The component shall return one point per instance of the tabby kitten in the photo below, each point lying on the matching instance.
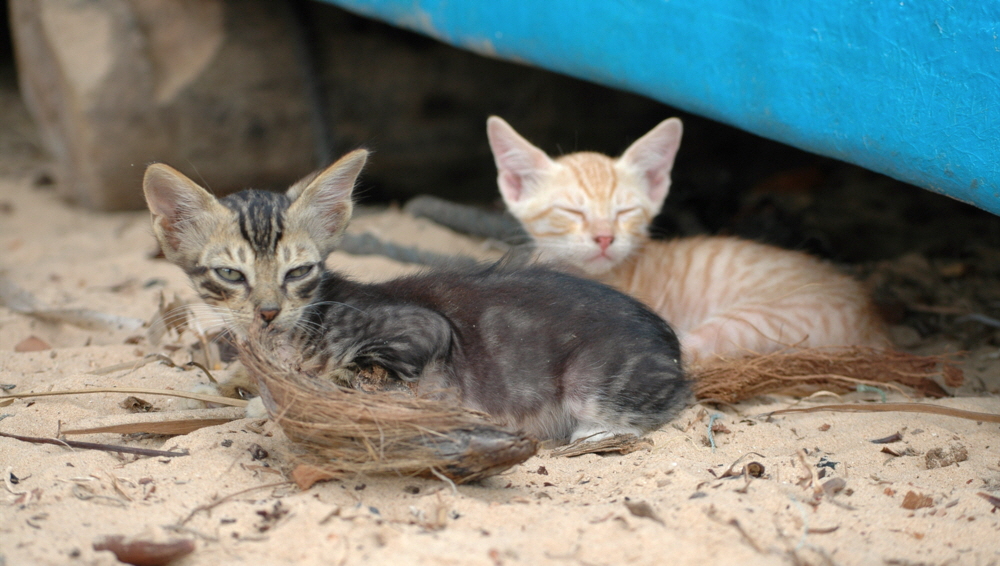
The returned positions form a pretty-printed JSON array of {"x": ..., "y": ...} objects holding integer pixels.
[
  {"x": 552, "y": 354},
  {"x": 724, "y": 296}
]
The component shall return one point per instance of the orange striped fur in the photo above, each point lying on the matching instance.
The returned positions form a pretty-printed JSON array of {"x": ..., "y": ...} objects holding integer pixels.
[{"x": 723, "y": 296}]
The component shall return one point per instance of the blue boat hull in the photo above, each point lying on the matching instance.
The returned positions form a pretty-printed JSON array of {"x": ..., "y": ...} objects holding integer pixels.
[{"x": 906, "y": 88}]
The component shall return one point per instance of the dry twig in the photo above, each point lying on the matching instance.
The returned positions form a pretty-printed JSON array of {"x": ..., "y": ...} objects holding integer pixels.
[{"x": 95, "y": 446}]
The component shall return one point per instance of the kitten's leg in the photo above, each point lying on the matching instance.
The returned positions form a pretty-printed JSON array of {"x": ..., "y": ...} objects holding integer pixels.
[
  {"x": 239, "y": 385},
  {"x": 438, "y": 384},
  {"x": 404, "y": 340},
  {"x": 644, "y": 393}
]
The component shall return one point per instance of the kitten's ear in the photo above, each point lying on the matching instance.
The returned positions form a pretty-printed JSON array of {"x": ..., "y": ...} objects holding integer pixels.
[
  {"x": 176, "y": 203},
  {"x": 323, "y": 201},
  {"x": 653, "y": 155},
  {"x": 519, "y": 164}
]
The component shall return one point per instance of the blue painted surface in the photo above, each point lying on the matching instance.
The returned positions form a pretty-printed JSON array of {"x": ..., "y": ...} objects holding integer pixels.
[{"x": 908, "y": 88}]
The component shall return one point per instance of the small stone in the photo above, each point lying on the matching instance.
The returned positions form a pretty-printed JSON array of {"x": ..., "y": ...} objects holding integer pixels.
[{"x": 943, "y": 457}]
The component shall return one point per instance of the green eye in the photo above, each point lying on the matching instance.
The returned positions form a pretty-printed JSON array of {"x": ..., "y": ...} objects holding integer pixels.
[
  {"x": 230, "y": 275},
  {"x": 298, "y": 272}
]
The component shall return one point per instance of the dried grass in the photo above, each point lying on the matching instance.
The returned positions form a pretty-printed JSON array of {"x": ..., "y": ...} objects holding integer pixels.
[
  {"x": 379, "y": 426},
  {"x": 802, "y": 371},
  {"x": 345, "y": 431}
]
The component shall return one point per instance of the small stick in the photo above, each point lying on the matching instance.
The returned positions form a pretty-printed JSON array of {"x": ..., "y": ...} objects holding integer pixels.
[
  {"x": 217, "y": 502},
  {"x": 209, "y": 374},
  {"x": 167, "y": 392},
  {"x": 901, "y": 407},
  {"x": 148, "y": 358},
  {"x": 94, "y": 446}
]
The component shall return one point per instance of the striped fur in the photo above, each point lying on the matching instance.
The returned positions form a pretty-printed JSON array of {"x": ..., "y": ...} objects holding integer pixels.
[
  {"x": 555, "y": 355},
  {"x": 256, "y": 256},
  {"x": 723, "y": 296}
]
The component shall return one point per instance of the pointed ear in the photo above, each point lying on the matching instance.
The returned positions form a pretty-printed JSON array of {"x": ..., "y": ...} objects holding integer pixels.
[
  {"x": 323, "y": 201},
  {"x": 519, "y": 164},
  {"x": 652, "y": 157},
  {"x": 176, "y": 203}
]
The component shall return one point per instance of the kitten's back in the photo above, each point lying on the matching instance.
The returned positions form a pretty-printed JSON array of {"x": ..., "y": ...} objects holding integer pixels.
[
  {"x": 538, "y": 349},
  {"x": 731, "y": 296}
]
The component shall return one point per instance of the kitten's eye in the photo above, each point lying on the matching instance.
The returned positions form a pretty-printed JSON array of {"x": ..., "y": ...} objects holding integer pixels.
[
  {"x": 571, "y": 211},
  {"x": 626, "y": 211},
  {"x": 298, "y": 272},
  {"x": 230, "y": 275}
]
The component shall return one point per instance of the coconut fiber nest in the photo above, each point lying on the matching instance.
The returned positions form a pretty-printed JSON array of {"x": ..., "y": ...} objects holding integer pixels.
[
  {"x": 362, "y": 420},
  {"x": 803, "y": 371},
  {"x": 377, "y": 424}
]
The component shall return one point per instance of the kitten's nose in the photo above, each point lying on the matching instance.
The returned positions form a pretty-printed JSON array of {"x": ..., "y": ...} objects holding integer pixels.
[
  {"x": 604, "y": 241},
  {"x": 268, "y": 313}
]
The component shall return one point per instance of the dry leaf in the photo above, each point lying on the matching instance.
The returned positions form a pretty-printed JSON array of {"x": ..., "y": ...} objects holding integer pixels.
[
  {"x": 143, "y": 552},
  {"x": 618, "y": 444},
  {"x": 913, "y": 500},
  {"x": 994, "y": 500},
  {"x": 134, "y": 404},
  {"x": 305, "y": 476},
  {"x": 888, "y": 439},
  {"x": 642, "y": 509},
  {"x": 32, "y": 344}
]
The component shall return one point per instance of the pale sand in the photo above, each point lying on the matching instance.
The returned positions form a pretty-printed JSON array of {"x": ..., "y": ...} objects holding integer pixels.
[{"x": 547, "y": 511}]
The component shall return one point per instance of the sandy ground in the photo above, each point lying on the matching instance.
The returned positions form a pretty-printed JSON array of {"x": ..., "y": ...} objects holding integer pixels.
[{"x": 664, "y": 505}]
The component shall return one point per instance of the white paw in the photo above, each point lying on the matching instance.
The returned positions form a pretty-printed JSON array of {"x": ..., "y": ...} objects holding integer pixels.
[
  {"x": 255, "y": 409},
  {"x": 202, "y": 388}
]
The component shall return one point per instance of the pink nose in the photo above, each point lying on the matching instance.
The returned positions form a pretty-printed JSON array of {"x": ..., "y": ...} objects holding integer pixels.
[
  {"x": 604, "y": 241},
  {"x": 268, "y": 314}
]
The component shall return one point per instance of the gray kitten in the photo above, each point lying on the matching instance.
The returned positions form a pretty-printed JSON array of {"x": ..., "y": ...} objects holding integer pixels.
[{"x": 543, "y": 351}]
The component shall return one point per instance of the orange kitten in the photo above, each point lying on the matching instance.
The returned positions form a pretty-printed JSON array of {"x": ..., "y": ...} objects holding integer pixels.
[{"x": 723, "y": 296}]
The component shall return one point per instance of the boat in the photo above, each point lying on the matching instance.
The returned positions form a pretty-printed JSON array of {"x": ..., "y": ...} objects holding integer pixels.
[{"x": 905, "y": 88}]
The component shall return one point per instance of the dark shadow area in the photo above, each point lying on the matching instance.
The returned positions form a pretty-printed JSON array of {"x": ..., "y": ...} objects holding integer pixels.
[{"x": 421, "y": 107}]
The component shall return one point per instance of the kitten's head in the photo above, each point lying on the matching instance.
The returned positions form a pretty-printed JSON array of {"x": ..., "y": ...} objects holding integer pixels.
[
  {"x": 585, "y": 209},
  {"x": 256, "y": 255}
]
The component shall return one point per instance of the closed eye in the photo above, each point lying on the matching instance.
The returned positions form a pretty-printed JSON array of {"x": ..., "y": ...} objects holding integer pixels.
[
  {"x": 298, "y": 273},
  {"x": 625, "y": 211},
  {"x": 229, "y": 274},
  {"x": 572, "y": 211}
]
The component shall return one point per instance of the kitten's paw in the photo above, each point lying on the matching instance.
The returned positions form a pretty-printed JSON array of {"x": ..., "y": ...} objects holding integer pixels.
[
  {"x": 182, "y": 404},
  {"x": 255, "y": 409},
  {"x": 239, "y": 385}
]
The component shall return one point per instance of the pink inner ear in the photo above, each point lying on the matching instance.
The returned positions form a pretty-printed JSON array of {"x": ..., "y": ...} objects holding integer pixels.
[
  {"x": 655, "y": 178},
  {"x": 512, "y": 185}
]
